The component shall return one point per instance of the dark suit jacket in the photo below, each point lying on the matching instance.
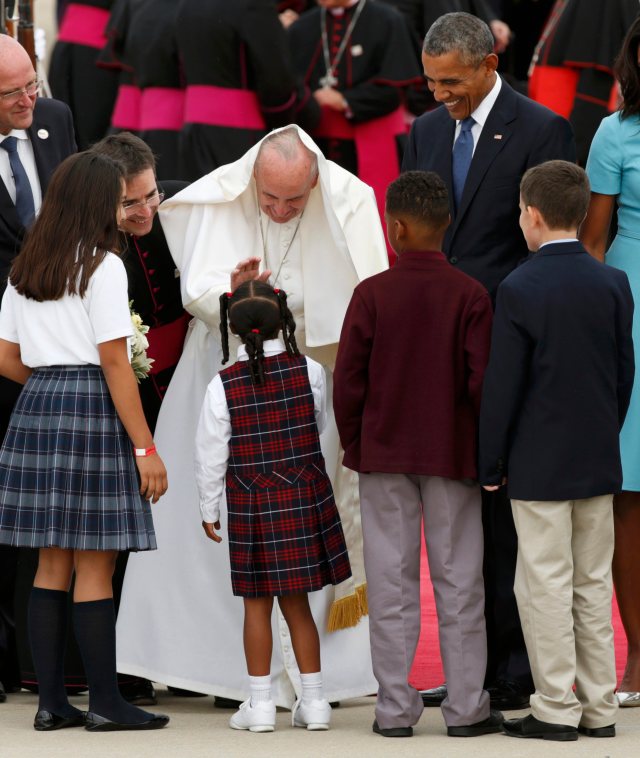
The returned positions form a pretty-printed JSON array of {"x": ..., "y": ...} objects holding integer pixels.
[
  {"x": 484, "y": 239},
  {"x": 559, "y": 379},
  {"x": 408, "y": 375},
  {"x": 52, "y": 137}
]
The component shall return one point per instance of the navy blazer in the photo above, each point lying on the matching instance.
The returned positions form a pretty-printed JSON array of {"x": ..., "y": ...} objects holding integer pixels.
[
  {"x": 52, "y": 137},
  {"x": 484, "y": 238},
  {"x": 559, "y": 379}
]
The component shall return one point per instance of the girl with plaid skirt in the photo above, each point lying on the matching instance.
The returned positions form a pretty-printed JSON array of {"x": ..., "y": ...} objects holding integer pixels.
[
  {"x": 259, "y": 431},
  {"x": 77, "y": 466}
]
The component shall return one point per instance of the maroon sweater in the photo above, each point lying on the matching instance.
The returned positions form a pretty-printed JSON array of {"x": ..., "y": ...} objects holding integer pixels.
[{"x": 408, "y": 377}]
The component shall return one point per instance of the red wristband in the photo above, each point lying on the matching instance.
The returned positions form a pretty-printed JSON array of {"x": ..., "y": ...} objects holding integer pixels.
[{"x": 143, "y": 452}]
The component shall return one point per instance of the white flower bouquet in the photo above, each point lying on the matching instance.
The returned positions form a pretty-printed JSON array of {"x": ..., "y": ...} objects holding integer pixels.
[{"x": 140, "y": 364}]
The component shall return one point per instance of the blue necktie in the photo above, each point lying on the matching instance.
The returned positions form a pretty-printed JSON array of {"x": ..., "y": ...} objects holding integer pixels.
[
  {"x": 461, "y": 158},
  {"x": 24, "y": 196}
]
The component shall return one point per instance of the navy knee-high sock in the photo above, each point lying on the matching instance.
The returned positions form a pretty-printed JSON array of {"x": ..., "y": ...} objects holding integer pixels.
[
  {"x": 47, "y": 622},
  {"x": 95, "y": 627}
]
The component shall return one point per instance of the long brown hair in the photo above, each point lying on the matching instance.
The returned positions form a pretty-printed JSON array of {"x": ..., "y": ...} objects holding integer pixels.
[
  {"x": 76, "y": 227},
  {"x": 627, "y": 71}
]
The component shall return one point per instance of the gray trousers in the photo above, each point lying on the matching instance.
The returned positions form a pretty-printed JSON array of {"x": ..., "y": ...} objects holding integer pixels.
[{"x": 392, "y": 507}]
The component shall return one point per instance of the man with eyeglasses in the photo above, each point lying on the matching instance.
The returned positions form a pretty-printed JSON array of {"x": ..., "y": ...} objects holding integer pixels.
[{"x": 36, "y": 135}]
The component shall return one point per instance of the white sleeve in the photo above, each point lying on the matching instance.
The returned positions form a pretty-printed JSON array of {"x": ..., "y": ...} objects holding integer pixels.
[
  {"x": 108, "y": 301},
  {"x": 8, "y": 328},
  {"x": 212, "y": 450},
  {"x": 318, "y": 383}
]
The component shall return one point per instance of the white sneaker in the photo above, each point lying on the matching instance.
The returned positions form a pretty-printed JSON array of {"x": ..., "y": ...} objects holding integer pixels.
[
  {"x": 260, "y": 717},
  {"x": 314, "y": 715}
]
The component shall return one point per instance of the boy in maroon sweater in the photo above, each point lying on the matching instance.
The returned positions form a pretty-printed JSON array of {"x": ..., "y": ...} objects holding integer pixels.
[{"x": 407, "y": 384}]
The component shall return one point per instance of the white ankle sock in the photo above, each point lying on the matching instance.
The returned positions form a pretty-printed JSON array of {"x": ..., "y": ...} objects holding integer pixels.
[
  {"x": 260, "y": 688},
  {"x": 312, "y": 686}
]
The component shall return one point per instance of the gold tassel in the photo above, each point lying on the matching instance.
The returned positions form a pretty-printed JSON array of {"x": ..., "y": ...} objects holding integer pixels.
[
  {"x": 347, "y": 611},
  {"x": 361, "y": 593}
]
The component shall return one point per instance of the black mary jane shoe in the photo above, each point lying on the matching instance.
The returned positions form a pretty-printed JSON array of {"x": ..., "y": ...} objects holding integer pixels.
[
  {"x": 96, "y": 723},
  {"x": 395, "y": 731},
  {"x": 530, "y": 727},
  {"x": 45, "y": 721}
]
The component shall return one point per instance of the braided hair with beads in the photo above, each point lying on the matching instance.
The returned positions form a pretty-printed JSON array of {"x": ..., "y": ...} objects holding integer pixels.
[{"x": 256, "y": 312}]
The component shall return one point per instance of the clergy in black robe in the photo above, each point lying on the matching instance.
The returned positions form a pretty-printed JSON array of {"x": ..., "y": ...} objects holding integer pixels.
[
  {"x": 572, "y": 68},
  {"x": 239, "y": 79},
  {"x": 142, "y": 42},
  {"x": 357, "y": 60},
  {"x": 75, "y": 78}
]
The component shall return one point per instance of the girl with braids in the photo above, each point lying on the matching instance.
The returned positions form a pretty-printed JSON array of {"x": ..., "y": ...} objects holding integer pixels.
[{"x": 259, "y": 428}]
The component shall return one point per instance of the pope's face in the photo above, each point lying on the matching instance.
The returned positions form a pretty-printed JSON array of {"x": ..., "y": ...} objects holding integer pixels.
[
  {"x": 460, "y": 87},
  {"x": 283, "y": 186}
]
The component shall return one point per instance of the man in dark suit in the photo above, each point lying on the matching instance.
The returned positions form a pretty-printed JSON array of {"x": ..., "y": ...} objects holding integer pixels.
[
  {"x": 481, "y": 141},
  {"x": 36, "y": 135},
  {"x": 555, "y": 396}
]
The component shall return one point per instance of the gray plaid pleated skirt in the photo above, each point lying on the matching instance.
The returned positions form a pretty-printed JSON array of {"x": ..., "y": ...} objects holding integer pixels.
[{"x": 68, "y": 477}]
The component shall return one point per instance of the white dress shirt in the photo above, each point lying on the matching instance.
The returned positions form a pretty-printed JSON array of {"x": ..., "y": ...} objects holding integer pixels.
[
  {"x": 214, "y": 431},
  {"x": 28, "y": 160},
  {"x": 481, "y": 113}
]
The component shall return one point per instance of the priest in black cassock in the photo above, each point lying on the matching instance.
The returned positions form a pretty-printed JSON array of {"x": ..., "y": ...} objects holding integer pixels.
[
  {"x": 572, "y": 67},
  {"x": 357, "y": 58},
  {"x": 239, "y": 79}
]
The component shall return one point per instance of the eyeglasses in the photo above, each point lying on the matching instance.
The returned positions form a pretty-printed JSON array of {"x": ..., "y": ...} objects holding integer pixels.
[
  {"x": 133, "y": 206},
  {"x": 32, "y": 89}
]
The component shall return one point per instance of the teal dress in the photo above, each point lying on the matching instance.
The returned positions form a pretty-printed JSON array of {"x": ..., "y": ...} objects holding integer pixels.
[{"x": 613, "y": 167}]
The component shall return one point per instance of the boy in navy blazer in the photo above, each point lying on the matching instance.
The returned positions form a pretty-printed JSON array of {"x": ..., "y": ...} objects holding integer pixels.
[{"x": 555, "y": 395}]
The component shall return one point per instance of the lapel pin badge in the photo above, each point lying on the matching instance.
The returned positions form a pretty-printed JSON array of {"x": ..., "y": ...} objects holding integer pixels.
[
  {"x": 497, "y": 136},
  {"x": 43, "y": 134},
  {"x": 356, "y": 50}
]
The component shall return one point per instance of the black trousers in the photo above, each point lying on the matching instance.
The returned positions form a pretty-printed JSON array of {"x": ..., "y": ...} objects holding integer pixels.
[{"x": 507, "y": 653}]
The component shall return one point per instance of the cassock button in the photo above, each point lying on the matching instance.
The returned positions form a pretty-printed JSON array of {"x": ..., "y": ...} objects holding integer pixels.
[{"x": 453, "y": 260}]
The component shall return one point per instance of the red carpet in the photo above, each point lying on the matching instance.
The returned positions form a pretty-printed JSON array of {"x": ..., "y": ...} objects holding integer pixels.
[{"x": 427, "y": 668}]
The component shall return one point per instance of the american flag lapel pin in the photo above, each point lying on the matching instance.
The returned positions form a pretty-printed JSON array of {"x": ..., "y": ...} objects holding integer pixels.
[{"x": 497, "y": 136}]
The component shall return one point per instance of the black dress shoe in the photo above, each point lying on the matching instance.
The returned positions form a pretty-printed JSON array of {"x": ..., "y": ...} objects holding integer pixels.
[
  {"x": 3, "y": 694},
  {"x": 45, "y": 721},
  {"x": 96, "y": 723},
  {"x": 490, "y": 725},
  {"x": 530, "y": 727},
  {"x": 433, "y": 698},
  {"x": 598, "y": 731},
  {"x": 179, "y": 692},
  {"x": 395, "y": 731},
  {"x": 138, "y": 692},
  {"x": 509, "y": 696},
  {"x": 226, "y": 702}
]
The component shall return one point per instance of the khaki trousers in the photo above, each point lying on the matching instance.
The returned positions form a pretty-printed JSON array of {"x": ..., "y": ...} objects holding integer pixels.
[{"x": 563, "y": 587}]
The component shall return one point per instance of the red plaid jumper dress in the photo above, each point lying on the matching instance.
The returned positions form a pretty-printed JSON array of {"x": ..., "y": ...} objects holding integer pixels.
[{"x": 285, "y": 534}]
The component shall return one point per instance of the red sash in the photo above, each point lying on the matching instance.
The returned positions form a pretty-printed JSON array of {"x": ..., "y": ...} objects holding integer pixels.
[
  {"x": 220, "y": 106},
  {"x": 126, "y": 111},
  {"x": 376, "y": 149},
  {"x": 161, "y": 108},
  {"x": 165, "y": 343},
  {"x": 556, "y": 86},
  {"x": 84, "y": 25}
]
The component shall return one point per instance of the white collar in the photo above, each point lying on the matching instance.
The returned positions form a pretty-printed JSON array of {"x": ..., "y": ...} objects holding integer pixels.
[
  {"x": 271, "y": 347},
  {"x": 558, "y": 242},
  {"x": 340, "y": 11},
  {"x": 481, "y": 113},
  {"x": 18, "y": 133}
]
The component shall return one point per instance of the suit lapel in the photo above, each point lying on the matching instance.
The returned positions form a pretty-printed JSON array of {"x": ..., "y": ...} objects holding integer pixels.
[
  {"x": 441, "y": 147},
  {"x": 8, "y": 209},
  {"x": 497, "y": 131}
]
